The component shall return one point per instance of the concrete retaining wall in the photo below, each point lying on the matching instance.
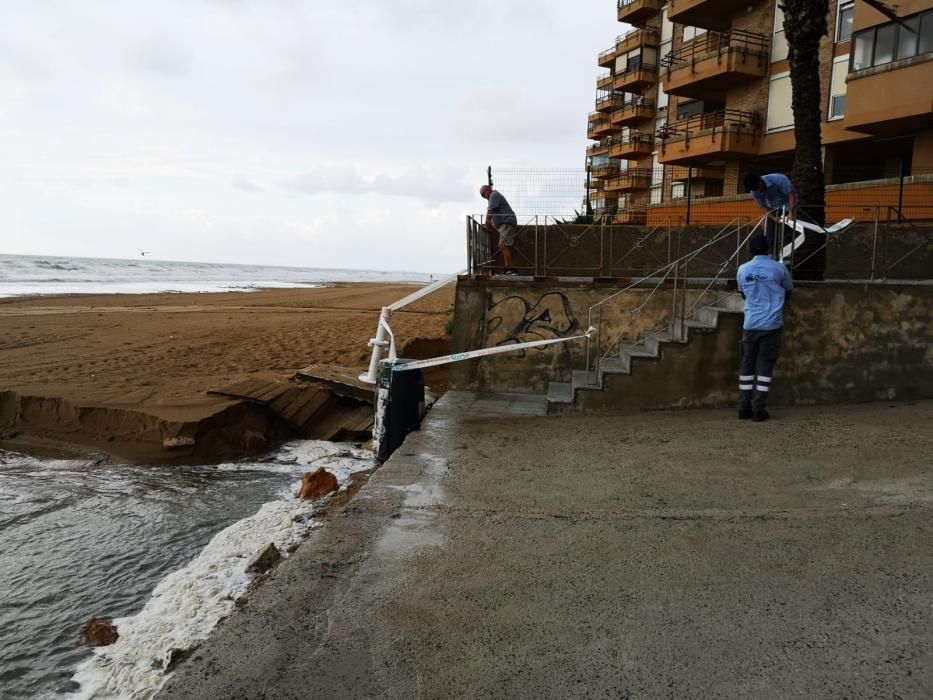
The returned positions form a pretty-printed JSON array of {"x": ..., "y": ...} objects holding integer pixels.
[{"x": 842, "y": 343}]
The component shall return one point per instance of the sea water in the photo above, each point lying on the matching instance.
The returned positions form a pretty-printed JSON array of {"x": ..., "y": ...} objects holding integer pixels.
[
  {"x": 163, "y": 550},
  {"x": 23, "y": 274}
]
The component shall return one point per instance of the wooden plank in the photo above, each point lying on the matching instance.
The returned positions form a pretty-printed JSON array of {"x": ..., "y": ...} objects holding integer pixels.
[
  {"x": 286, "y": 399},
  {"x": 240, "y": 390},
  {"x": 316, "y": 401},
  {"x": 343, "y": 381},
  {"x": 272, "y": 391}
]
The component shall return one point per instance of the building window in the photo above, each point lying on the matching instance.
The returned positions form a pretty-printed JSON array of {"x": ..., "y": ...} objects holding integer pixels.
[
  {"x": 657, "y": 172},
  {"x": 780, "y": 113},
  {"x": 837, "y": 89},
  {"x": 685, "y": 110},
  {"x": 844, "y": 21},
  {"x": 876, "y": 46},
  {"x": 667, "y": 27},
  {"x": 907, "y": 36},
  {"x": 678, "y": 190},
  {"x": 662, "y": 97},
  {"x": 779, "y": 43},
  {"x": 691, "y": 33}
]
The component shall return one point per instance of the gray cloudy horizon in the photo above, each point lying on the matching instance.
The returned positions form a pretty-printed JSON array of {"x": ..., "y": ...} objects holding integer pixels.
[{"x": 282, "y": 132}]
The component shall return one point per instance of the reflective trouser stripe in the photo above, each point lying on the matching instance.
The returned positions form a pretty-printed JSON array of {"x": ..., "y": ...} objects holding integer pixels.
[
  {"x": 764, "y": 380},
  {"x": 762, "y": 387},
  {"x": 746, "y": 387}
]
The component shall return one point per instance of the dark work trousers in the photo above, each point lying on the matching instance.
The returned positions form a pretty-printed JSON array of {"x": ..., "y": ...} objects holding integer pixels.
[{"x": 760, "y": 350}]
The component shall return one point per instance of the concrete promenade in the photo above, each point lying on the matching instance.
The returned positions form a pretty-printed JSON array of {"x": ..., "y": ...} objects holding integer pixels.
[{"x": 663, "y": 555}]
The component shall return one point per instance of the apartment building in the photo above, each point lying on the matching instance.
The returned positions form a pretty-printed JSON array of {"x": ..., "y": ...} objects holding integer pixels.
[{"x": 698, "y": 92}]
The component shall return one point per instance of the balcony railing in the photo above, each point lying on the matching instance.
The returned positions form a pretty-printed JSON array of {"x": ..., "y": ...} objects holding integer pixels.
[
  {"x": 610, "y": 101},
  {"x": 639, "y": 36},
  {"x": 633, "y": 179},
  {"x": 599, "y": 147},
  {"x": 632, "y": 143},
  {"x": 604, "y": 82},
  {"x": 724, "y": 120},
  {"x": 717, "y": 44},
  {"x": 636, "y": 77},
  {"x": 637, "y": 11},
  {"x": 633, "y": 110}
]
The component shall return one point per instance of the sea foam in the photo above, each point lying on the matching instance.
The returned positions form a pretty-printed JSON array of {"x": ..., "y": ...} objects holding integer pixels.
[{"x": 187, "y": 604}]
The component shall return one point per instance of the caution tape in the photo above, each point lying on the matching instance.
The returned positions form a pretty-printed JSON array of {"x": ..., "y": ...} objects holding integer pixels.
[{"x": 472, "y": 354}]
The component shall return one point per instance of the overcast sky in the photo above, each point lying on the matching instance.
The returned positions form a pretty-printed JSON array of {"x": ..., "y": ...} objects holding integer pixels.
[{"x": 346, "y": 134}]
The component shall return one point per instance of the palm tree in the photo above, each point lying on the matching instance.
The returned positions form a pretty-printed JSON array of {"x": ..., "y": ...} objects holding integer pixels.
[{"x": 804, "y": 26}]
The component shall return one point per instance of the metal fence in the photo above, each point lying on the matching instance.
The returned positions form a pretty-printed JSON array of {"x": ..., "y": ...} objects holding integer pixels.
[
  {"x": 871, "y": 250},
  {"x": 681, "y": 196}
]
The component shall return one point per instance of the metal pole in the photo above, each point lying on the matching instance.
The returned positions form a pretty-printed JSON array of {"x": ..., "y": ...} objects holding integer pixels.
[
  {"x": 900, "y": 194},
  {"x": 689, "y": 192},
  {"x": 489, "y": 175},
  {"x": 469, "y": 234},
  {"x": 874, "y": 249}
]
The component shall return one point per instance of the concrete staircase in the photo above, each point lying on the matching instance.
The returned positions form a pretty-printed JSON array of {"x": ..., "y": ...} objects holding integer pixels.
[{"x": 714, "y": 363}]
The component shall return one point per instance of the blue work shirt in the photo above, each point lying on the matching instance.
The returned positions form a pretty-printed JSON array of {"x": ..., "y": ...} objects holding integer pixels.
[
  {"x": 776, "y": 193},
  {"x": 764, "y": 281}
]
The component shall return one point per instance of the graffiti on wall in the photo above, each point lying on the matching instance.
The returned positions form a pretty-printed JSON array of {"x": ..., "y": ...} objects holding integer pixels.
[{"x": 516, "y": 320}]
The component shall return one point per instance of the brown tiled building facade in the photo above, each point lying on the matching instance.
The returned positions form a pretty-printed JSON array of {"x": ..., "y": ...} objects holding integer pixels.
[{"x": 698, "y": 93}]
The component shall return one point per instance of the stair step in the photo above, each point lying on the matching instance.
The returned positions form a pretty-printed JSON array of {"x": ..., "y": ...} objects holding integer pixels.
[
  {"x": 639, "y": 351},
  {"x": 699, "y": 325},
  {"x": 615, "y": 365},
  {"x": 586, "y": 380},
  {"x": 559, "y": 392}
]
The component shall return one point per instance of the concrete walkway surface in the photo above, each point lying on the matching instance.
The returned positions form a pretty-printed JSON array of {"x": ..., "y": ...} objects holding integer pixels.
[{"x": 664, "y": 555}]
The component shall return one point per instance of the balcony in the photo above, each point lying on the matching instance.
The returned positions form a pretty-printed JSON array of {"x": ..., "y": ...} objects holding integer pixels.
[
  {"x": 601, "y": 126},
  {"x": 633, "y": 112},
  {"x": 890, "y": 64},
  {"x": 604, "y": 171},
  {"x": 630, "y": 181},
  {"x": 715, "y": 15},
  {"x": 631, "y": 217},
  {"x": 607, "y": 58},
  {"x": 637, "y": 11},
  {"x": 632, "y": 146},
  {"x": 637, "y": 38},
  {"x": 604, "y": 82},
  {"x": 708, "y": 67},
  {"x": 600, "y": 148},
  {"x": 714, "y": 136},
  {"x": 610, "y": 101},
  {"x": 636, "y": 79}
]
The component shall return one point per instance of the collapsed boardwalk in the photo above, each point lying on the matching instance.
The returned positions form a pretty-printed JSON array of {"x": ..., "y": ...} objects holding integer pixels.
[{"x": 656, "y": 555}]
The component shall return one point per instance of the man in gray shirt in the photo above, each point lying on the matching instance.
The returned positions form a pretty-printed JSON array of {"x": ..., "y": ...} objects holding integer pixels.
[{"x": 501, "y": 219}]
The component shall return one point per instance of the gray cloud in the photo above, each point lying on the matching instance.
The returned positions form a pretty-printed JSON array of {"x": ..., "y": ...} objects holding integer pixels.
[{"x": 381, "y": 112}]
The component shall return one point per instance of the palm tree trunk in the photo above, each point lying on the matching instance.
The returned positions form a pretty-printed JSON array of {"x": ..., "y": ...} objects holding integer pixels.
[{"x": 804, "y": 25}]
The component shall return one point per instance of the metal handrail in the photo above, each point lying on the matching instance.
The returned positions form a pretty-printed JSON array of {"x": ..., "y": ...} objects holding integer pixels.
[
  {"x": 678, "y": 267},
  {"x": 723, "y": 119},
  {"x": 718, "y": 43},
  {"x": 647, "y": 30},
  {"x": 646, "y": 67}
]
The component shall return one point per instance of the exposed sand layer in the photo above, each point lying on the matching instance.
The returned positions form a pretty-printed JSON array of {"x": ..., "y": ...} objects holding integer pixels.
[{"x": 116, "y": 372}]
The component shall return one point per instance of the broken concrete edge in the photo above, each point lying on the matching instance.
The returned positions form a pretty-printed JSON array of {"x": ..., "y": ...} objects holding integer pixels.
[{"x": 55, "y": 426}]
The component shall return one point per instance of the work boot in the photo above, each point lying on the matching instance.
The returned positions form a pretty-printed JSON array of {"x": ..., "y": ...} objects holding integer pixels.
[
  {"x": 745, "y": 413},
  {"x": 760, "y": 416}
]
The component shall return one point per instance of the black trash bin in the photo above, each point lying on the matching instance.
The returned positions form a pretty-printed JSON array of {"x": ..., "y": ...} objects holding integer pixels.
[{"x": 399, "y": 407}]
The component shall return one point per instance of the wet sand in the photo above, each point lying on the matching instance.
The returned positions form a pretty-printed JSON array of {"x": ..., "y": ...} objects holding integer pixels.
[{"x": 158, "y": 354}]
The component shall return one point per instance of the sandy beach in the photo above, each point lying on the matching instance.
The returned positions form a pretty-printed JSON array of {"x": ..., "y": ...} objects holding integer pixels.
[{"x": 158, "y": 354}]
